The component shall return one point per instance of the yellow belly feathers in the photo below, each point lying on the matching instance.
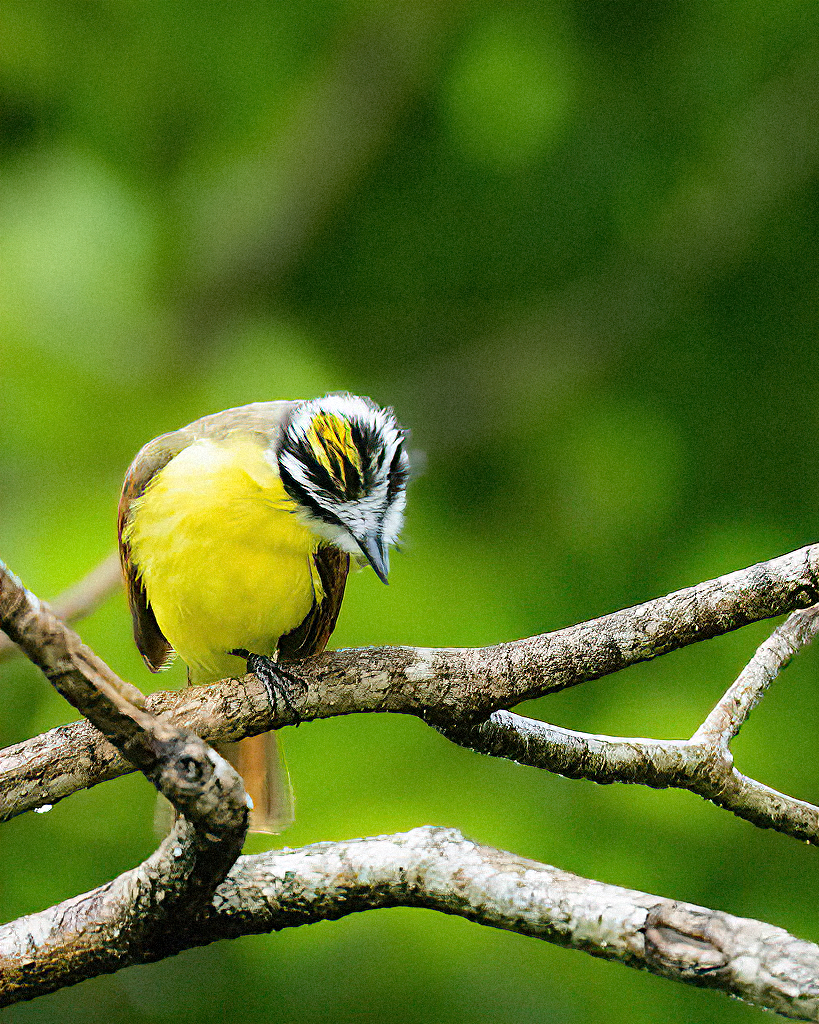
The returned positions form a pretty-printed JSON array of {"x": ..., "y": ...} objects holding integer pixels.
[{"x": 225, "y": 561}]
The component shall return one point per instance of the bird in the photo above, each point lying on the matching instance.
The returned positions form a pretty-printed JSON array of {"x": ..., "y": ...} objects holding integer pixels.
[{"x": 235, "y": 538}]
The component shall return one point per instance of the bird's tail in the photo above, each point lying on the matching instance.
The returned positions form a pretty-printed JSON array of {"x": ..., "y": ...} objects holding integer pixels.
[{"x": 259, "y": 760}]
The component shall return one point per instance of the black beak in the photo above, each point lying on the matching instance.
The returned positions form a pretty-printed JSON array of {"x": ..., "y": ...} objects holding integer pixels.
[{"x": 377, "y": 554}]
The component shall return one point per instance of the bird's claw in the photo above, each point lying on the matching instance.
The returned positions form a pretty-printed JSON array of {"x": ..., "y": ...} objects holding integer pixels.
[{"x": 279, "y": 683}]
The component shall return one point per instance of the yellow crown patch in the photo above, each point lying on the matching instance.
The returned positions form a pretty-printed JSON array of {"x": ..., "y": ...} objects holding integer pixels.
[{"x": 331, "y": 442}]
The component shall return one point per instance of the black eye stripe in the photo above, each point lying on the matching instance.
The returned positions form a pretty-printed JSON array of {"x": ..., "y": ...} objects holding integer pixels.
[
  {"x": 300, "y": 494},
  {"x": 398, "y": 474}
]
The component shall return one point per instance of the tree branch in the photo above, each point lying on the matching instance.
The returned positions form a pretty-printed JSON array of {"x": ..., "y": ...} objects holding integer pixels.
[
  {"x": 195, "y": 779},
  {"x": 181, "y": 896},
  {"x": 456, "y": 690},
  {"x": 703, "y": 764},
  {"x": 727, "y": 718},
  {"x": 438, "y": 869}
]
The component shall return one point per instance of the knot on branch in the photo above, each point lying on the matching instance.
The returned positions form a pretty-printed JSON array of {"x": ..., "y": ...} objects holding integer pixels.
[
  {"x": 199, "y": 782},
  {"x": 182, "y": 764},
  {"x": 681, "y": 942}
]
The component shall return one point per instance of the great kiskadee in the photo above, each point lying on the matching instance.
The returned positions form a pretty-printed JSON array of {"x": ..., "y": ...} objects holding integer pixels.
[{"x": 236, "y": 533}]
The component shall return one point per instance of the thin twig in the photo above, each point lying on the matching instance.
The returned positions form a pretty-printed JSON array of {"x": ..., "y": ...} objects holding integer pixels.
[
  {"x": 728, "y": 716},
  {"x": 80, "y": 599}
]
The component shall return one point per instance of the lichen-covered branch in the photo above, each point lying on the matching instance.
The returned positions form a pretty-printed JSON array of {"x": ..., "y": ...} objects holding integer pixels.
[
  {"x": 136, "y": 912},
  {"x": 438, "y": 869},
  {"x": 181, "y": 896},
  {"x": 699, "y": 767}
]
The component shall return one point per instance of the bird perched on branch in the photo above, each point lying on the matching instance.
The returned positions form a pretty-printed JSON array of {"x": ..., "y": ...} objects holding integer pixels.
[{"x": 236, "y": 533}]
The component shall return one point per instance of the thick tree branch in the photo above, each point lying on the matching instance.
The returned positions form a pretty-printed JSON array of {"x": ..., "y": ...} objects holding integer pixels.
[
  {"x": 195, "y": 779},
  {"x": 456, "y": 690},
  {"x": 438, "y": 869},
  {"x": 180, "y": 897}
]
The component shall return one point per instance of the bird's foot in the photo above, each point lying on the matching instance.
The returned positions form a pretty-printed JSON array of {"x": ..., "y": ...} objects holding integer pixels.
[{"x": 279, "y": 683}]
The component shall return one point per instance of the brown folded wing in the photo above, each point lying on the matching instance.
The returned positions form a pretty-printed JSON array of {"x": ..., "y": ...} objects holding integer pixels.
[
  {"x": 311, "y": 636},
  {"x": 155, "y": 650}
]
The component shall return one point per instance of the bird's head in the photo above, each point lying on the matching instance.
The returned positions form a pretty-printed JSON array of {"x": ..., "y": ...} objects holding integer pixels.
[{"x": 341, "y": 458}]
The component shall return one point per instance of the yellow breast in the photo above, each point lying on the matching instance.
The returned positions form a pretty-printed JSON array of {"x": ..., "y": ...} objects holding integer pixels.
[{"x": 225, "y": 561}]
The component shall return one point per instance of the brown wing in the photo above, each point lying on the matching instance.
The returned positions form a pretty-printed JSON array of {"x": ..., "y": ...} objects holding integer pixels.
[
  {"x": 154, "y": 648},
  {"x": 312, "y": 635},
  {"x": 260, "y": 417}
]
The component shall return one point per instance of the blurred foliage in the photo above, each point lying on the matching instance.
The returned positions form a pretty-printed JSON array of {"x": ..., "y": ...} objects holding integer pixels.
[{"x": 574, "y": 244}]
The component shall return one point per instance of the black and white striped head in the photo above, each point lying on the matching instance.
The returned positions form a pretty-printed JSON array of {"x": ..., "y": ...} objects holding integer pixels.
[{"x": 341, "y": 458}]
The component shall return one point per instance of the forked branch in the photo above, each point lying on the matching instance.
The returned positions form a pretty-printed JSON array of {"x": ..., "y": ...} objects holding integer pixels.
[
  {"x": 180, "y": 878},
  {"x": 702, "y": 764},
  {"x": 462, "y": 691}
]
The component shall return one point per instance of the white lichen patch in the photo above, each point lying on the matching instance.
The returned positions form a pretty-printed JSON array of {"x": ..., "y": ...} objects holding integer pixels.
[
  {"x": 746, "y": 969},
  {"x": 423, "y": 668}
]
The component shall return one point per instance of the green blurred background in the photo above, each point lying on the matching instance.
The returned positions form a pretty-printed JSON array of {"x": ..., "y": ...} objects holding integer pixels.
[{"x": 574, "y": 245}]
